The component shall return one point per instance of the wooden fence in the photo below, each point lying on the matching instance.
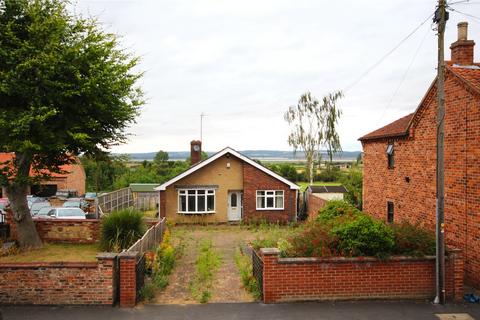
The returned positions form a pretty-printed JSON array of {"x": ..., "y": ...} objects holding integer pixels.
[
  {"x": 115, "y": 200},
  {"x": 150, "y": 239}
]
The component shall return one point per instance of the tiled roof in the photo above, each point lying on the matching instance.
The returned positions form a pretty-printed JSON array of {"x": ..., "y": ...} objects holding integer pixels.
[
  {"x": 143, "y": 187},
  {"x": 394, "y": 129},
  {"x": 469, "y": 74},
  {"x": 5, "y": 156}
]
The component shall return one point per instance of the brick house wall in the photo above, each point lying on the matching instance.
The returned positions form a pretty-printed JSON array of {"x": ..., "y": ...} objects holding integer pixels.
[
  {"x": 253, "y": 180},
  {"x": 299, "y": 279},
  {"x": 411, "y": 185}
]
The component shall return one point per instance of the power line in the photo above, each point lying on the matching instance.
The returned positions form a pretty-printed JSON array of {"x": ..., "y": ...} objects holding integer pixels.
[
  {"x": 386, "y": 55},
  {"x": 465, "y": 14},
  {"x": 403, "y": 77}
]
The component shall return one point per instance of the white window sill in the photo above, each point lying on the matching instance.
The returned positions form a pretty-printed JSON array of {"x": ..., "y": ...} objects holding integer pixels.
[
  {"x": 193, "y": 213},
  {"x": 270, "y": 209}
]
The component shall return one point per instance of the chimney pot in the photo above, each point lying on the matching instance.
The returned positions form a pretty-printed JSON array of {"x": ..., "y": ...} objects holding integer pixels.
[{"x": 462, "y": 30}]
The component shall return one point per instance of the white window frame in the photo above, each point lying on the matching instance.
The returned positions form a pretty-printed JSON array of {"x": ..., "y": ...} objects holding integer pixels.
[
  {"x": 184, "y": 192},
  {"x": 270, "y": 196}
]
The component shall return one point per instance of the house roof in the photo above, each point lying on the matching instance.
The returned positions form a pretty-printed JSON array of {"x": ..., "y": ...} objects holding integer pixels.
[
  {"x": 219, "y": 155},
  {"x": 468, "y": 75},
  {"x": 397, "y": 128},
  {"x": 327, "y": 189},
  {"x": 8, "y": 156},
  {"x": 143, "y": 187}
]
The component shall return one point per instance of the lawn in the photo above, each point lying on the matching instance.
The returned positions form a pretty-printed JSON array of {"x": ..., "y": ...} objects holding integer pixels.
[
  {"x": 56, "y": 253},
  {"x": 304, "y": 185}
]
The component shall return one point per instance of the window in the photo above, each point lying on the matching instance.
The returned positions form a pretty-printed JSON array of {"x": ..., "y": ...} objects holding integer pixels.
[
  {"x": 270, "y": 199},
  {"x": 390, "y": 158},
  {"x": 390, "y": 212},
  {"x": 196, "y": 201},
  {"x": 233, "y": 200}
]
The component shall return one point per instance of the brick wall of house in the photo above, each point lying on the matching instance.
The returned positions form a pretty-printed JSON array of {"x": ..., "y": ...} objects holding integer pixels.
[
  {"x": 411, "y": 184},
  {"x": 314, "y": 204},
  {"x": 297, "y": 279},
  {"x": 69, "y": 283},
  {"x": 253, "y": 180}
]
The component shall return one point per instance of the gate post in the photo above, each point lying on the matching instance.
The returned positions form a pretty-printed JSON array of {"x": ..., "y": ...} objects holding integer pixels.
[{"x": 128, "y": 279}]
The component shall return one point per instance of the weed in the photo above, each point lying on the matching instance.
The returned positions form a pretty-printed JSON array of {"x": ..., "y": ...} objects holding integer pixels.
[
  {"x": 244, "y": 265},
  {"x": 207, "y": 263}
]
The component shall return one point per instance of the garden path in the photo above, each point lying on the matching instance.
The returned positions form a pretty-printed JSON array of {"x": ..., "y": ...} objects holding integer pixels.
[{"x": 227, "y": 286}]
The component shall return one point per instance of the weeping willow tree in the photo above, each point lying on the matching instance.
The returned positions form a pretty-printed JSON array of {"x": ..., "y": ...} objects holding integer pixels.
[{"x": 314, "y": 126}]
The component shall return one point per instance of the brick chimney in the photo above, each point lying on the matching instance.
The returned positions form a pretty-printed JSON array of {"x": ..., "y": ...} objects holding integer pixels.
[
  {"x": 195, "y": 151},
  {"x": 462, "y": 49}
]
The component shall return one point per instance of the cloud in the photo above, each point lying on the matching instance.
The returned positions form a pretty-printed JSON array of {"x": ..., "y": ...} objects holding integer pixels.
[{"x": 244, "y": 62}]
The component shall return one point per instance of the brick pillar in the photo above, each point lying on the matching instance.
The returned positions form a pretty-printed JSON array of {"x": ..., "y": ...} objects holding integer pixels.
[
  {"x": 456, "y": 274},
  {"x": 269, "y": 257},
  {"x": 128, "y": 279},
  {"x": 108, "y": 266}
]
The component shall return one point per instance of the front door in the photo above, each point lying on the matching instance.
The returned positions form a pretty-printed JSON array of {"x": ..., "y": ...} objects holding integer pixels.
[{"x": 235, "y": 206}]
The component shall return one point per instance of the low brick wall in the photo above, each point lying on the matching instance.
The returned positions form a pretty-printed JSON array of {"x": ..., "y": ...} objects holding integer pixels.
[
  {"x": 298, "y": 279},
  {"x": 68, "y": 231},
  {"x": 314, "y": 203},
  {"x": 67, "y": 283}
]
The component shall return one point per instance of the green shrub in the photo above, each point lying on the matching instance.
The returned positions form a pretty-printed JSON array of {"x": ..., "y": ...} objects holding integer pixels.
[
  {"x": 363, "y": 236},
  {"x": 315, "y": 240},
  {"x": 413, "y": 240},
  {"x": 120, "y": 229},
  {"x": 334, "y": 209}
]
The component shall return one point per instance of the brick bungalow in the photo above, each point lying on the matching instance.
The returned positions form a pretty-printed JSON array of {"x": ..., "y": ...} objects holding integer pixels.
[
  {"x": 73, "y": 179},
  {"x": 227, "y": 187},
  {"x": 400, "y": 159}
]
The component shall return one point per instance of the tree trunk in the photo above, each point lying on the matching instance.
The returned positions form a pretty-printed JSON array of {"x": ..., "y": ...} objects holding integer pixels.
[{"x": 27, "y": 235}]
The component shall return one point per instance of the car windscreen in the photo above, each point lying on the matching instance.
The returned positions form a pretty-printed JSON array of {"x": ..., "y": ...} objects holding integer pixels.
[
  {"x": 70, "y": 213},
  {"x": 39, "y": 205}
]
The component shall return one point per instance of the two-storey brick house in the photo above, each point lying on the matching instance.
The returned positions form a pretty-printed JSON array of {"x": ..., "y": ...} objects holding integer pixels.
[{"x": 400, "y": 159}]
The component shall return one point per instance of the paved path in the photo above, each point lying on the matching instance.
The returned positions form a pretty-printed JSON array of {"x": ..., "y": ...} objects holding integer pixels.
[
  {"x": 227, "y": 286},
  {"x": 361, "y": 310}
]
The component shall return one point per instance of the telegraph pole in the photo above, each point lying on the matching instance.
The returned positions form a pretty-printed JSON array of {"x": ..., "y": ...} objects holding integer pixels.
[{"x": 441, "y": 17}]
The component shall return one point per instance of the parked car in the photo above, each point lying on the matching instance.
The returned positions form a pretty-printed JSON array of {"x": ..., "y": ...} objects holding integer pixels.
[
  {"x": 37, "y": 206},
  {"x": 66, "y": 213},
  {"x": 33, "y": 199},
  {"x": 66, "y": 193},
  {"x": 76, "y": 203},
  {"x": 90, "y": 196},
  {"x": 43, "y": 212}
]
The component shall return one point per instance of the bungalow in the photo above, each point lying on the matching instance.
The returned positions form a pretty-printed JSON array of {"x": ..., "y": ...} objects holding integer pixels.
[
  {"x": 227, "y": 187},
  {"x": 400, "y": 160}
]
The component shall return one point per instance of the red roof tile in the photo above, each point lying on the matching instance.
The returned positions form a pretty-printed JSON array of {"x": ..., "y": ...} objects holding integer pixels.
[
  {"x": 394, "y": 129},
  {"x": 471, "y": 75},
  {"x": 4, "y": 157}
]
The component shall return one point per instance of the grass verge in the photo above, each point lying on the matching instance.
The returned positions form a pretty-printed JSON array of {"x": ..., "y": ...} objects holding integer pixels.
[
  {"x": 244, "y": 265},
  {"x": 61, "y": 252},
  {"x": 207, "y": 263}
]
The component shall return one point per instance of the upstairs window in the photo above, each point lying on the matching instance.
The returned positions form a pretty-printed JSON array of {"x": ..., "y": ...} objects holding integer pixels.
[
  {"x": 390, "y": 156},
  {"x": 196, "y": 201},
  {"x": 270, "y": 199},
  {"x": 390, "y": 212}
]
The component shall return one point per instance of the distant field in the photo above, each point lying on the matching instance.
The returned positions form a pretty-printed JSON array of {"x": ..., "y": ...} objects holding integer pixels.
[{"x": 304, "y": 185}]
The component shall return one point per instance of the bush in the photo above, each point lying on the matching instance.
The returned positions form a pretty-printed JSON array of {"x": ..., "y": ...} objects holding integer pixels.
[
  {"x": 413, "y": 240},
  {"x": 336, "y": 208},
  {"x": 121, "y": 229},
  {"x": 315, "y": 240},
  {"x": 363, "y": 236},
  {"x": 331, "y": 174}
]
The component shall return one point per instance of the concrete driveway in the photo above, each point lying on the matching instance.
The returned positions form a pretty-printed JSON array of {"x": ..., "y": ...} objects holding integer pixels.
[{"x": 360, "y": 310}]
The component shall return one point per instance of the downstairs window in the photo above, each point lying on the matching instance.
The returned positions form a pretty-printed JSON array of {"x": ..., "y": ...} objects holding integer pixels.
[
  {"x": 192, "y": 201},
  {"x": 270, "y": 199}
]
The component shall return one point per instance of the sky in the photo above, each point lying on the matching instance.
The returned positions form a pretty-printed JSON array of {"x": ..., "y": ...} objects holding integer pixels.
[{"x": 243, "y": 63}]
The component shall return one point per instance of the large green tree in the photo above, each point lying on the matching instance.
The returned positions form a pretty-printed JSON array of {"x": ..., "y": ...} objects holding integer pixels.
[
  {"x": 66, "y": 87},
  {"x": 314, "y": 125}
]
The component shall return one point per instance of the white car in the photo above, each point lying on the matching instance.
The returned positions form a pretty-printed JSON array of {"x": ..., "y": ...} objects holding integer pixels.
[{"x": 66, "y": 213}]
